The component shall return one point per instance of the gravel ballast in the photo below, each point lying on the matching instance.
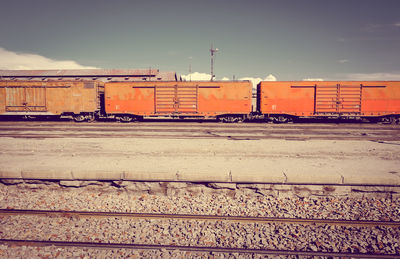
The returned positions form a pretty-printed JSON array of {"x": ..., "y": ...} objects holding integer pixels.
[
  {"x": 319, "y": 202},
  {"x": 85, "y": 253},
  {"x": 183, "y": 198},
  {"x": 275, "y": 236}
]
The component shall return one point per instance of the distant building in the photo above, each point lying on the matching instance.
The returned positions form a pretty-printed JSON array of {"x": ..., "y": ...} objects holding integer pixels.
[{"x": 105, "y": 75}]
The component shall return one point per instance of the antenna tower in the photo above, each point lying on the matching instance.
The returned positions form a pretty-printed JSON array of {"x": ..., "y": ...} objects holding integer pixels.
[{"x": 213, "y": 51}]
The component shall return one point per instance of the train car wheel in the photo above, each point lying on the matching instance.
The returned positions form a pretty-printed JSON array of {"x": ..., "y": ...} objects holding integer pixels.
[
  {"x": 79, "y": 117},
  {"x": 126, "y": 118},
  {"x": 231, "y": 119},
  {"x": 222, "y": 119},
  {"x": 390, "y": 120},
  {"x": 240, "y": 119},
  {"x": 281, "y": 119},
  {"x": 394, "y": 120},
  {"x": 91, "y": 118}
]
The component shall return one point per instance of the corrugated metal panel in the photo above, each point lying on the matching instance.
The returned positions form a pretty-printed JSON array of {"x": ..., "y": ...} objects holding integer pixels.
[
  {"x": 187, "y": 99},
  {"x": 338, "y": 99},
  {"x": 350, "y": 99},
  {"x": 176, "y": 99},
  {"x": 165, "y": 99},
  {"x": 326, "y": 99}
]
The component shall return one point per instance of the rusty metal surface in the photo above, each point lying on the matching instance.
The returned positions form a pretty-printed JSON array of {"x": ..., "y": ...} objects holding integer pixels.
[
  {"x": 52, "y": 97},
  {"x": 104, "y": 75},
  {"x": 25, "y": 99},
  {"x": 330, "y": 98}
]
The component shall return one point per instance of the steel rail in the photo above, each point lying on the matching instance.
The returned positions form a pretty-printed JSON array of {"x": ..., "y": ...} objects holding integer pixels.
[
  {"x": 48, "y": 213},
  {"x": 204, "y": 131},
  {"x": 191, "y": 248},
  {"x": 201, "y": 126},
  {"x": 158, "y": 136}
]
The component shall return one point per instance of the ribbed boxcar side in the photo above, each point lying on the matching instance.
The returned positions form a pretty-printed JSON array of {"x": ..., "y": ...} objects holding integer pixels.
[
  {"x": 49, "y": 98},
  {"x": 178, "y": 99},
  {"x": 330, "y": 99}
]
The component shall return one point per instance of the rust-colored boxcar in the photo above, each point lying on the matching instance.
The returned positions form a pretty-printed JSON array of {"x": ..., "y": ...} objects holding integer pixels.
[
  {"x": 370, "y": 99},
  {"x": 226, "y": 100},
  {"x": 79, "y": 99}
]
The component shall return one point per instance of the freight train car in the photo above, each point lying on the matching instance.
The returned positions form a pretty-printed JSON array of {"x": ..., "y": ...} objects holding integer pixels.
[
  {"x": 226, "y": 101},
  {"x": 76, "y": 99},
  {"x": 374, "y": 100}
]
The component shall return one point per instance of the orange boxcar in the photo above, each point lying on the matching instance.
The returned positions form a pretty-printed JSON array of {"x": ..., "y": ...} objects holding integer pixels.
[
  {"x": 228, "y": 101},
  {"x": 79, "y": 99},
  {"x": 282, "y": 101}
]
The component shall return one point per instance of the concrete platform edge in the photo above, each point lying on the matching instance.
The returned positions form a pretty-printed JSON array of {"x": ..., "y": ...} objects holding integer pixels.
[{"x": 381, "y": 179}]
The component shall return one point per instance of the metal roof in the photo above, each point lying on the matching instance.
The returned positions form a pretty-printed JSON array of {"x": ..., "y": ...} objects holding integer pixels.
[{"x": 105, "y": 75}]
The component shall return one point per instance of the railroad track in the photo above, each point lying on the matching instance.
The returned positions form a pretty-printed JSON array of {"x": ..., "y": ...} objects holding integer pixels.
[
  {"x": 244, "y": 131},
  {"x": 241, "y": 219},
  {"x": 190, "y": 248},
  {"x": 49, "y": 213}
]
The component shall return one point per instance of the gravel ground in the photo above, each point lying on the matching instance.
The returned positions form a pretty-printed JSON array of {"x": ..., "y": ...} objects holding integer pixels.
[
  {"x": 181, "y": 198},
  {"x": 85, "y": 253},
  {"x": 321, "y": 202},
  {"x": 298, "y": 237}
]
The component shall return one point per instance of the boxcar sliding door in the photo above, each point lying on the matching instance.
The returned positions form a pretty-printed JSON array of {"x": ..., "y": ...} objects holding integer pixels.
[
  {"x": 338, "y": 99},
  {"x": 176, "y": 99},
  {"x": 25, "y": 99}
]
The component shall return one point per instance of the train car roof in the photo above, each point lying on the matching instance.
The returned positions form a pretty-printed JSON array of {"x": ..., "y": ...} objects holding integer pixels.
[{"x": 104, "y": 75}]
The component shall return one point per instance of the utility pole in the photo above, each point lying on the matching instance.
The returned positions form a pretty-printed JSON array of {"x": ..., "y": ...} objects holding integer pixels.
[
  {"x": 190, "y": 69},
  {"x": 212, "y": 61}
]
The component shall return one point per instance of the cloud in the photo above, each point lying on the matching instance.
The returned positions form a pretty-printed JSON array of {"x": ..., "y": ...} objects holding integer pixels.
[
  {"x": 22, "y": 61},
  {"x": 257, "y": 80},
  {"x": 196, "y": 76},
  {"x": 373, "y": 76},
  {"x": 342, "y": 61},
  {"x": 372, "y": 27},
  {"x": 313, "y": 79}
]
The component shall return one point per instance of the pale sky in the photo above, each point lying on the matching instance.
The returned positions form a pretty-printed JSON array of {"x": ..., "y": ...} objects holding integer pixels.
[{"x": 281, "y": 39}]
